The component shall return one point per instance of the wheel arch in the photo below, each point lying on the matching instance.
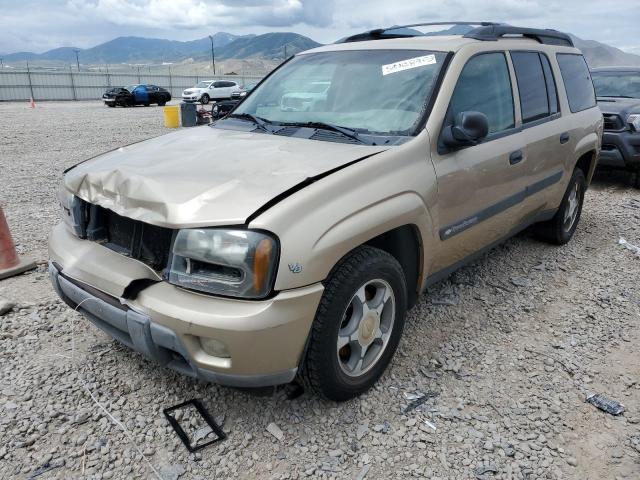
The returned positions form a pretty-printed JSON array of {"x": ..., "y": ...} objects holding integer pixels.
[
  {"x": 587, "y": 163},
  {"x": 404, "y": 244}
]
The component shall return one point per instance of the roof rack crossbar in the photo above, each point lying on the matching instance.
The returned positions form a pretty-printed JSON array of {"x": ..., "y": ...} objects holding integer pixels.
[
  {"x": 496, "y": 31},
  {"x": 380, "y": 33},
  {"x": 485, "y": 31}
]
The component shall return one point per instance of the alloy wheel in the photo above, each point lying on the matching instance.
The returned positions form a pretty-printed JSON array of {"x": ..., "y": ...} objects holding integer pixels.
[{"x": 366, "y": 327}]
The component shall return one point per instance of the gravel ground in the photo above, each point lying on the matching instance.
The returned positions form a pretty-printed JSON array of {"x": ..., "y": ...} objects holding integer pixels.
[{"x": 507, "y": 349}]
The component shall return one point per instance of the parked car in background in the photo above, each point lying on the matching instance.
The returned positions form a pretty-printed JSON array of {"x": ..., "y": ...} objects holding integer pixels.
[
  {"x": 208, "y": 90},
  {"x": 290, "y": 243},
  {"x": 136, "y": 95},
  {"x": 246, "y": 89},
  {"x": 223, "y": 107},
  {"x": 618, "y": 91}
]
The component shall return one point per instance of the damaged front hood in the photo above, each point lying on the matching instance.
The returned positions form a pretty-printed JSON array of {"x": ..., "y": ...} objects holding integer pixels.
[{"x": 204, "y": 176}]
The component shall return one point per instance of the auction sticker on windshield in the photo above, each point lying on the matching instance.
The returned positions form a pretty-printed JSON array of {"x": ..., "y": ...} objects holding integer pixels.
[{"x": 408, "y": 64}]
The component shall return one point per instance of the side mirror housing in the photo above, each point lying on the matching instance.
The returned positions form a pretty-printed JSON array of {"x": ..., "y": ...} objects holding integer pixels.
[{"x": 469, "y": 128}]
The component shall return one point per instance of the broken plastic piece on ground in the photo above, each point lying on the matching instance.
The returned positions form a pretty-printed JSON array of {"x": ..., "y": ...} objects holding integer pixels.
[
  {"x": 430, "y": 425},
  {"x": 629, "y": 246},
  {"x": 482, "y": 470},
  {"x": 416, "y": 399},
  {"x": 200, "y": 430},
  {"x": 605, "y": 404},
  {"x": 43, "y": 469}
]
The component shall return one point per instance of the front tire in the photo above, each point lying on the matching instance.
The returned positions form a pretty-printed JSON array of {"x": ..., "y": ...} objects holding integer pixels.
[
  {"x": 204, "y": 99},
  {"x": 560, "y": 229},
  {"x": 358, "y": 325}
]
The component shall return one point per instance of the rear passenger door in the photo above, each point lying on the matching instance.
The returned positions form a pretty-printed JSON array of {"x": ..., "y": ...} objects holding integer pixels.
[
  {"x": 547, "y": 143},
  {"x": 480, "y": 187}
]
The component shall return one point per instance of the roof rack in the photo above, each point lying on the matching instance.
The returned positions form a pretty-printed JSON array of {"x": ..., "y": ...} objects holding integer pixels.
[
  {"x": 496, "y": 31},
  {"x": 380, "y": 33},
  {"x": 485, "y": 31}
]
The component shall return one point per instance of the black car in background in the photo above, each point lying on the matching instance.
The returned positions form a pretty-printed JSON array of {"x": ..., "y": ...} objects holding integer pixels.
[
  {"x": 136, "y": 95},
  {"x": 223, "y": 107},
  {"x": 618, "y": 92}
]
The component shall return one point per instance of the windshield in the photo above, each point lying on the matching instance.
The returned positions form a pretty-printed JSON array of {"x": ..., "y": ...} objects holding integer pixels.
[
  {"x": 203, "y": 84},
  {"x": 131, "y": 88},
  {"x": 617, "y": 84},
  {"x": 382, "y": 92}
]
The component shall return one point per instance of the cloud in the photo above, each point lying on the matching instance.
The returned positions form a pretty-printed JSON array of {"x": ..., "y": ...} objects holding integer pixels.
[
  {"x": 38, "y": 25},
  {"x": 194, "y": 14}
]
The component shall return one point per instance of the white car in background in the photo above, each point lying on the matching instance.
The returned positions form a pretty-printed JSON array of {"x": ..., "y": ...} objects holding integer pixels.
[{"x": 208, "y": 90}]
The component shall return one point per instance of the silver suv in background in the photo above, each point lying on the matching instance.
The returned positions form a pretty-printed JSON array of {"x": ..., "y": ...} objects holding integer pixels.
[{"x": 208, "y": 90}]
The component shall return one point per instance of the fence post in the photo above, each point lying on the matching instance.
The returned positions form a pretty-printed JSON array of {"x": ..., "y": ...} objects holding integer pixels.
[
  {"x": 73, "y": 85},
  {"x": 30, "y": 83},
  {"x": 170, "y": 82},
  {"x": 108, "y": 76},
  {"x": 138, "y": 75}
]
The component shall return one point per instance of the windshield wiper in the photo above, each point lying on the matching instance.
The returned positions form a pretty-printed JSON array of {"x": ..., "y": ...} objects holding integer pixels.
[
  {"x": 259, "y": 121},
  {"x": 347, "y": 132}
]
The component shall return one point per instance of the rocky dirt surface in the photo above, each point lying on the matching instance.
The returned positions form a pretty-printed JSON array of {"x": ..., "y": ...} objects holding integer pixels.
[{"x": 506, "y": 351}]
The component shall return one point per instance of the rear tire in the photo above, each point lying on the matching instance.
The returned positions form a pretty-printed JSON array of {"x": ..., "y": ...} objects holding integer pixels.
[
  {"x": 204, "y": 99},
  {"x": 358, "y": 325},
  {"x": 560, "y": 229},
  {"x": 162, "y": 104},
  {"x": 111, "y": 105}
]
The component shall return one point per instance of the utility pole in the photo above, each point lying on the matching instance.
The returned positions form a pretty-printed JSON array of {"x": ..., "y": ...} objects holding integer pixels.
[
  {"x": 77, "y": 60},
  {"x": 213, "y": 57}
]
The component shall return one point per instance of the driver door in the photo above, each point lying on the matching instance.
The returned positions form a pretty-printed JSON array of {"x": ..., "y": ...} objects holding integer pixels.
[{"x": 481, "y": 187}]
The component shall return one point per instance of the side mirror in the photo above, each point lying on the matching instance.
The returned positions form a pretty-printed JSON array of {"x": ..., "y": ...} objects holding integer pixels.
[{"x": 468, "y": 128}]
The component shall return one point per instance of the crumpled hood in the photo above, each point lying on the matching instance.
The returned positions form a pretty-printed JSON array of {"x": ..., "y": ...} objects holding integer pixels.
[
  {"x": 204, "y": 176},
  {"x": 619, "y": 106}
]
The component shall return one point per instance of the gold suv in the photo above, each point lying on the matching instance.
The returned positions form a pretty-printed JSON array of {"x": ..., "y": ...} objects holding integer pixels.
[{"x": 289, "y": 238}]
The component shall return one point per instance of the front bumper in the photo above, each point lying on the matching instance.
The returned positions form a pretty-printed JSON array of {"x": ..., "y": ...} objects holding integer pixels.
[
  {"x": 190, "y": 98},
  {"x": 265, "y": 339},
  {"x": 620, "y": 150}
]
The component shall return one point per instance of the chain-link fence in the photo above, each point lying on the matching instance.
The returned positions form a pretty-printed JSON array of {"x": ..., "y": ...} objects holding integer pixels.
[{"x": 73, "y": 85}]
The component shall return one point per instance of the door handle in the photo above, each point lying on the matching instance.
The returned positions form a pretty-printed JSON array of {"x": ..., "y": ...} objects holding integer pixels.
[
  {"x": 564, "y": 138},
  {"x": 516, "y": 157}
]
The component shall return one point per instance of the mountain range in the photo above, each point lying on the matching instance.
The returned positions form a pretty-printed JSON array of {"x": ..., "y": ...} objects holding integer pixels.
[
  {"x": 156, "y": 50},
  {"x": 269, "y": 46}
]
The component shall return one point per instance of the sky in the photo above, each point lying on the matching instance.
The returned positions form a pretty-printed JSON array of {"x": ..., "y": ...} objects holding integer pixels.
[{"x": 40, "y": 25}]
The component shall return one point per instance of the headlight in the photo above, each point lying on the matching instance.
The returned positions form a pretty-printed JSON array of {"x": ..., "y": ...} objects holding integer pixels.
[
  {"x": 236, "y": 263},
  {"x": 634, "y": 121}
]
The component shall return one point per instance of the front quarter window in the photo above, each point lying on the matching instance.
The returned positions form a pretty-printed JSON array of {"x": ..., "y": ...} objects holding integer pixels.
[{"x": 381, "y": 92}]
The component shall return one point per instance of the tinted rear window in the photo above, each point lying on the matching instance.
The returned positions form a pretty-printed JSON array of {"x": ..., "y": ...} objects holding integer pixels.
[
  {"x": 577, "y": 81},
  {"x": 532, "y": 85}
]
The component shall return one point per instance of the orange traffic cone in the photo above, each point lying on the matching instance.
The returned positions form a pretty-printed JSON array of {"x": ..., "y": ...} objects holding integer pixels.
[
  {"x": 10, "y": 263},
  {"x": 32, "y": 104}
]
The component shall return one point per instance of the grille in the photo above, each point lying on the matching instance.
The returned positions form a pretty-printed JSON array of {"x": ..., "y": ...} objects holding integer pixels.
[
  {"x": 144, "y": 242},
  {"x": 613, "y": 122}
]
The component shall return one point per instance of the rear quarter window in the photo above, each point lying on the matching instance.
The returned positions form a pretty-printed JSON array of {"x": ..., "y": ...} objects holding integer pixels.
[{"x": 577, "y": 81}]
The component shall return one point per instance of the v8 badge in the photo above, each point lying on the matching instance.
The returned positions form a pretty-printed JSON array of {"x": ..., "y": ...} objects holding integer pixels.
[{"x": 295, "y": 267}]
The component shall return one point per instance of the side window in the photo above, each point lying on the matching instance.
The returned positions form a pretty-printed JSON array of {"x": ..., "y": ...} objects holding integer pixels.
[
  {"x": 577, "y": 81},
  {"x": 484, "y": 86},
  {"x": 532, "y": 85},
  {"x": 552, "y": 91},
  {"x": 218, "y": 84}
]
